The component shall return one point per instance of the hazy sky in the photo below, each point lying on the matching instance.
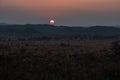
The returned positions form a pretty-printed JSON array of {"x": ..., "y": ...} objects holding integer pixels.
[{"x": 64, "y": 12}]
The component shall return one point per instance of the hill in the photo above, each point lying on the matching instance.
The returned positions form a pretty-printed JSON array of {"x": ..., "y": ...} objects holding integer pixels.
[{"x": 58, "y": 32}]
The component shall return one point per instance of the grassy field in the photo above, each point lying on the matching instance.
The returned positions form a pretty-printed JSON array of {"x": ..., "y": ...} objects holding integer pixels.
[{"x": 59, "y": 60}]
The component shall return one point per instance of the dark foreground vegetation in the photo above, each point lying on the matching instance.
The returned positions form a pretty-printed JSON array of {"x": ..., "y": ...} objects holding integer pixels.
[{"x": 60, "y": 60}]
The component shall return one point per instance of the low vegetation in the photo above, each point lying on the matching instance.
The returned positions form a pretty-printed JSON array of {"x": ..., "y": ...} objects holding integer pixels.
[{"x": 60, "y": 60}]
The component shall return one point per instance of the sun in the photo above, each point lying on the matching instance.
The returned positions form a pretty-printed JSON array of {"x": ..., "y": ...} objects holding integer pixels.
[{"x": 52, "y": 22}]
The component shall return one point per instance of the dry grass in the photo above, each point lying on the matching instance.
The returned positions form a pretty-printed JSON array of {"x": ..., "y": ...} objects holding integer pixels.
[{"x": 58, "y": 60}]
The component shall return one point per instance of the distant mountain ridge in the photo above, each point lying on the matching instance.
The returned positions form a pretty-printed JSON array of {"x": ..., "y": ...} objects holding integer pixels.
[
  {"x": 52, "y": 31},
  {"x": 3, "y": 24}
]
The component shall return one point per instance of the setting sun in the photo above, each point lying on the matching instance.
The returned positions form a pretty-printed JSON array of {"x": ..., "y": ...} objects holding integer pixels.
[{"x": 52, "y": 22}]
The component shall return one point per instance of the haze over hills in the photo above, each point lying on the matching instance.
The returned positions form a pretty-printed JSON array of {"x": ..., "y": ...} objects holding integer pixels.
[{"x": 52, "y": 31}]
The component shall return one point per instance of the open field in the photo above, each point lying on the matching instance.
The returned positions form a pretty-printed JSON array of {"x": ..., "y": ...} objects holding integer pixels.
[
  {"x": 56, "y": 46},
  {"x": 59, "y": 60}
]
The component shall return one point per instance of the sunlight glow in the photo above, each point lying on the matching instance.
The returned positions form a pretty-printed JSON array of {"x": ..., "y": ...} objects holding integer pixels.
[{"x": 52, "y": 22}]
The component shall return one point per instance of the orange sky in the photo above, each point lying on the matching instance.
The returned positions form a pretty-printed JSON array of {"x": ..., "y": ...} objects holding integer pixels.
[{"x": 62, "y": 8}]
